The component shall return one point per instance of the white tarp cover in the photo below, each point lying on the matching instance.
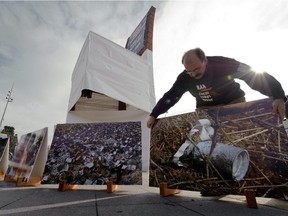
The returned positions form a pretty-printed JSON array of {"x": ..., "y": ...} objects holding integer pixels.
[{"x": 107, "y": 68}]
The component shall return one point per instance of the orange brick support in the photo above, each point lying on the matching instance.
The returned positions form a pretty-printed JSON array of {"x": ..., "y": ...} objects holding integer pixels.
[
  {"x": 63, "y": 186},
  {"x": 165, "y": 191},
  {"x": 250, "y": 198},
  {"x": 2, "y": 175},
  {"x": 9, "y": 179},
  {"x": 33, "y": 181},
  {"x": 111, "y": 187}
]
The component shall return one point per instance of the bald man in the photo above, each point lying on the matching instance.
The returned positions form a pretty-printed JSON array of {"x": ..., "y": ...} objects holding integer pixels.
[{"x": 211, "y": 81}]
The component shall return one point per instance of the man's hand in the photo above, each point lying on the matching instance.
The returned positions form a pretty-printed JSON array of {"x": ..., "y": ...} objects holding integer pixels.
[
  {"x": 150, "y": 122},
  {"x": 278, "y": 106}
]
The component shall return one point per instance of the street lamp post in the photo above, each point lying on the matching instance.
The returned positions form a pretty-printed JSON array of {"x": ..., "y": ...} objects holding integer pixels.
[{"x": 9, "y": 99}]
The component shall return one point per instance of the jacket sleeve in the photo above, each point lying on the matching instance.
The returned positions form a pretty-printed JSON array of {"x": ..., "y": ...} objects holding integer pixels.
[
  {"x": 260, "y": 81},
  {"x": 170, "y": 98}
]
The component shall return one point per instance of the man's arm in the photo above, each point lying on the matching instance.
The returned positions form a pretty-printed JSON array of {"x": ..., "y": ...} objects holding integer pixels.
[
  {"x": 260, "y": 81},
  {"x": 168, "y": 100},
  {"x": 265, "y": 84}
]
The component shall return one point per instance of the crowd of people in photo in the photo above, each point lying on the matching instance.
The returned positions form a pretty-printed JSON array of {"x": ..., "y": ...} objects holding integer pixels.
[{"x": 93, "y": 153}]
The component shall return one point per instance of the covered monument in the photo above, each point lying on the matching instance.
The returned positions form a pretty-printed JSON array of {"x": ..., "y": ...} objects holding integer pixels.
[{"x": 111, "y": 83}]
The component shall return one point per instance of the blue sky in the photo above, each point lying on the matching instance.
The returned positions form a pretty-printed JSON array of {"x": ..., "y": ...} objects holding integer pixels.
[{"x": 41, "y": 41}]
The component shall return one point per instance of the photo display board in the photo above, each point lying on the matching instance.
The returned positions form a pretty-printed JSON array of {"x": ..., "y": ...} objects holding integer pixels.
[
  {"x": 94, "y": 153},
  {"x": 222, "y": 150},
  {"x": 25, "y": 154}
]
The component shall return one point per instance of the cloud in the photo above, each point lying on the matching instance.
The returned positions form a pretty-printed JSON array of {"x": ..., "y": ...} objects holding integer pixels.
[{"x": 269, "y": 15}]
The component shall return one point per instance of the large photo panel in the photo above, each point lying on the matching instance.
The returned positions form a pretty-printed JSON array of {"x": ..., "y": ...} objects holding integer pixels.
[
  {"x": 222, "y": 150},
  {"x": 25, "y": 154},
  {"x": 94, "y": 153}
]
